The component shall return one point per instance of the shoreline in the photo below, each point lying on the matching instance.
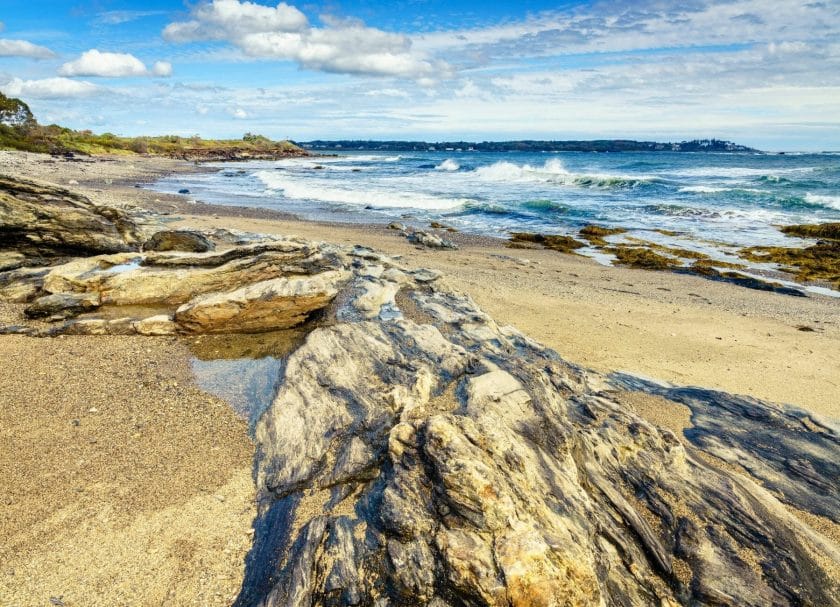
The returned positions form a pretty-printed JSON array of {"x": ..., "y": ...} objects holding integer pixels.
[{"x": 674, "y": 327}]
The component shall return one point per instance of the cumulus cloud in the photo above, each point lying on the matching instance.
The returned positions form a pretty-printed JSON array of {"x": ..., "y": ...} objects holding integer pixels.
[
  {"x": 112, "y": 65},
  {"x": 231, "y": 19},
  {"x": 283, "y": 32},
  {"x": 23, "y": 48},
  {"x": 48, "y": 88}
]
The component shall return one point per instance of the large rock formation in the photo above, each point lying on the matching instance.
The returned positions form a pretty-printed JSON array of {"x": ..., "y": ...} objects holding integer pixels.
[
  {"x": 416, "y": 453},
  {"x": 426, "y": 456},
  {"x": 46, "y": 220}
]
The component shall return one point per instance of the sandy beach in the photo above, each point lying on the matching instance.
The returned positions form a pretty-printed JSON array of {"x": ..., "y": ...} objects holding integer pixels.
[{"x": 112, "y": 457}]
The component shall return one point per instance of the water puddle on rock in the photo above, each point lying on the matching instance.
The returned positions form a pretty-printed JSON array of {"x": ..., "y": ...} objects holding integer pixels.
[{"x": 244, "y": 370}]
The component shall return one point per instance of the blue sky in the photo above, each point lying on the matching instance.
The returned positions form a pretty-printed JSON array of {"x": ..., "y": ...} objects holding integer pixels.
[{"x": 761, "y": 72}]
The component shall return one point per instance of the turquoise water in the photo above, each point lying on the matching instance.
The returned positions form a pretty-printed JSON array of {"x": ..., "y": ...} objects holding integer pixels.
[{"x": 717, "y": 202}]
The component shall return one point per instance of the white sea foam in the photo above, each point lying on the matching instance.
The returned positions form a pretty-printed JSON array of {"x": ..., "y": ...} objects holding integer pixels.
[
  {"x": 702, "y": 189},
  {"x": 832, "y": 202},
  {"x": 707, "y": 189},
  {"x": 553, "y": 171},
  {"x": 448, "y": 165},
  {"x": 319, "y": 190}
]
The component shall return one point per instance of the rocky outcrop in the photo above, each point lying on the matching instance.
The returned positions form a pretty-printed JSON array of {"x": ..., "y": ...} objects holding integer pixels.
[
  {"x": 41, "y": 220},
  {"x": 279, "y": 303},
  {"x": 179, "y": 240},
  {"x": 430, "y": 457}
]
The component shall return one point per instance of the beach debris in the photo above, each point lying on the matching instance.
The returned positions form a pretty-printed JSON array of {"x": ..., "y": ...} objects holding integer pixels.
[{"x": 179, "y": 240}]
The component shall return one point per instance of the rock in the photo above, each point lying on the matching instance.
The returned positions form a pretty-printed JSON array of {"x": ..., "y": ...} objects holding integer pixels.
[
  {"x": 430, "y": 240},
  {"x": 183, "y": 191},
  {"x": 159, "y": 325},
  {"x": 396, "y": 225},
  {"x": 179, "y": 240},
  {"x": 46, "y": 220},
  {"x": 65, "y": 305},
  {"x": 445, "y": 461},
  {"x": 279, "y": 303}
]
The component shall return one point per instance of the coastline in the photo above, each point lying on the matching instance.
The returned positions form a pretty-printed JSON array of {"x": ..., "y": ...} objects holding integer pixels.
[
  {"x": 677, "y": 328},
  {"x": 672, "y": 327}
]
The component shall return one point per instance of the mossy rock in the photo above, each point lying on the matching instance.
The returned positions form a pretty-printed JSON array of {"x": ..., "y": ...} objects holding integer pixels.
[
  {"x": 827, "y": 231},
  {"x": 820, "y": 262},
  {"x": 595, "y": 234},
  {"x": 555, "y": 242},
  {"x": 638, "y": 257}
]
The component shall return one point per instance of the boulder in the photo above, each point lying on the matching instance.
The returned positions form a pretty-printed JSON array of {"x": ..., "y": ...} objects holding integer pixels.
[
  {"x": 436, "y": 459},
  {"x": 429, "y": 240},
  {"x": 279, "y": 303},
  {"x": 64, "y": 305},
  {"x": 179, "y": 240},
  {"x": 47, "y": 220}
]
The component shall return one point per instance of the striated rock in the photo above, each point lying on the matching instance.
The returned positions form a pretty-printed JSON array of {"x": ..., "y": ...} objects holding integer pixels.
[
  {"x": 64, "y": 305},
  {"x": 158, "y": 325},
  {"x": 179, "y": 240},
  {"x": 445, "y": 461},
  {"x": 279, "y": 303},
  {"x": 46, "y": 220}
]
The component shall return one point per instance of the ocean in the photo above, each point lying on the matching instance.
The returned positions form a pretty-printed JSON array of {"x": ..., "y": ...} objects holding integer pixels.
[{"x": 713, "y": 203}]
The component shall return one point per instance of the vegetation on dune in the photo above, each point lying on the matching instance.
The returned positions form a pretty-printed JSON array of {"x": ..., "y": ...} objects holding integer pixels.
[{"x": 20, "y": 131}]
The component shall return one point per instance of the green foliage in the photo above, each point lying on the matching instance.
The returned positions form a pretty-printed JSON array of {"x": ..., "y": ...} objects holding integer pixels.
[{"x": 20, "y": 131}]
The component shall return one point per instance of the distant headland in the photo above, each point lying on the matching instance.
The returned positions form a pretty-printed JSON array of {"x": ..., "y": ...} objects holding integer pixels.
[{"x": 599, "y": 145}]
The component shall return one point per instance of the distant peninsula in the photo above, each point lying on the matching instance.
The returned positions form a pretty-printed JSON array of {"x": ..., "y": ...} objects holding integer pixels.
[{"x": 599, "y": 145}]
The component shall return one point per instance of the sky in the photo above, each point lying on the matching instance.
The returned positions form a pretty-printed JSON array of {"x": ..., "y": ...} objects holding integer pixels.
[{"x": 764, "y": 73}]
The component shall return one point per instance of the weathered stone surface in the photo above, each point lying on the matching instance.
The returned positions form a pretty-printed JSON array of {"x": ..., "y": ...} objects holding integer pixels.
[
  {"x": 65, "y": 305},
  {"x": 179, "y": 240},
  {"x": 160, "y": 324},
  {"x": 430, "y": 240},
  {"x": 268, "y": 305},
  {"x": 44, "y": 220},
  {"x": 446, "y": 461}
]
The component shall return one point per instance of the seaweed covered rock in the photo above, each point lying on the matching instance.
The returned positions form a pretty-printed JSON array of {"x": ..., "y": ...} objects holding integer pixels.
[{"x": 40, "y": 220}]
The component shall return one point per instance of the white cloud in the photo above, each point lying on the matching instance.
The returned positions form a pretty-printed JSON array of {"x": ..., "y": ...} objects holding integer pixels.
[
  {"x": 112, "y": 65},
  {"x": 22, "y": 48},
  {"x": 161, "y": 68},
  {"x": 231, "y": 19},
  {"x": 343, "y": 46},
  {"x": 125, "y": 16},
  {"x": 238, "y": 112},
  {"x": 48, "y": 88}
]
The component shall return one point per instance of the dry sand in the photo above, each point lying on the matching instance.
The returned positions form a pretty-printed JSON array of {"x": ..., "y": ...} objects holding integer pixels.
[{"x": 115, "y": 510}]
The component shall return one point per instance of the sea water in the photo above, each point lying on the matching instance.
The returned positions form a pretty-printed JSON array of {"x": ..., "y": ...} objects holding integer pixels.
[{"x": 715, "y": 202}]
